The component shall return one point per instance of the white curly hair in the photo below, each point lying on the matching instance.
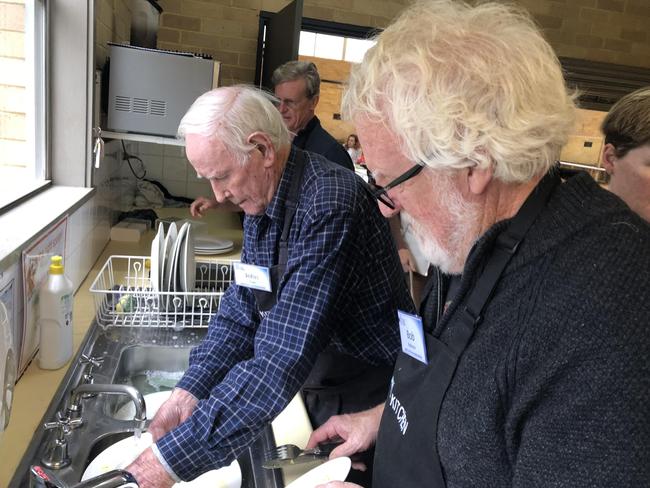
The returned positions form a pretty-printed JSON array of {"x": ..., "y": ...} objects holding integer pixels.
[{"x": 465, "y": 86}]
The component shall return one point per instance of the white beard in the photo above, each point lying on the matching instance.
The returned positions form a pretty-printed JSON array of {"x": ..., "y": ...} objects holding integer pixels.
[{"x": 449, "y": 256}]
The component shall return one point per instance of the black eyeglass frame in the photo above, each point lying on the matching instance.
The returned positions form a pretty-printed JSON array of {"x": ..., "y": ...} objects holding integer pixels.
[{"x": 381, "y": 192}]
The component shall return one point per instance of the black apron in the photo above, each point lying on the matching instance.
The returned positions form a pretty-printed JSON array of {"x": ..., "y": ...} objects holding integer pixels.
[
  {"x": 406, "y": 452},
  {"x": 338, "y": 383}
]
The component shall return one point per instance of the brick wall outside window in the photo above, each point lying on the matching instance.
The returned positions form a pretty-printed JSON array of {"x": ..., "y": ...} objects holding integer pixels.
[{"x": 13, "y": 82}]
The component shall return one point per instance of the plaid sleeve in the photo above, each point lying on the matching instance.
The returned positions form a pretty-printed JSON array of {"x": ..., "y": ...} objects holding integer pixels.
[{"x": 286, "y": 344}]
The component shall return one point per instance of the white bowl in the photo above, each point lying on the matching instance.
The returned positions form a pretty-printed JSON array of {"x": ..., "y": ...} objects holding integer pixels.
[
  {"x": 153, "y": 401},
  {"x": 124, "y": 452}
]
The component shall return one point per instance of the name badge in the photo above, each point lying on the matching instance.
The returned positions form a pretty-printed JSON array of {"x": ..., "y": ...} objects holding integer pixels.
[
  {"x": 251, "y": 276},
  {"x": 412, "y": 335}
]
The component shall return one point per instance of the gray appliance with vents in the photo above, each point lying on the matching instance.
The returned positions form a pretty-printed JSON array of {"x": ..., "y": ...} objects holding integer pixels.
[{"x": 150, "y": 90}]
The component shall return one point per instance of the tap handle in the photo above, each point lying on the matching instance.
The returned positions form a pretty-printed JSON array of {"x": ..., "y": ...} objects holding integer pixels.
[
  {"x": 64, "y": 424},
  {"x": 95, "y": 361}
]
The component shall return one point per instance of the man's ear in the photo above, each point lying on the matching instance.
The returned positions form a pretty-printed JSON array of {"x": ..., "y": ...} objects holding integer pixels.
[
  {"x": 609, "y": 158},
  {"x": 477, "y": 179},
  {"x": 264, "y": 145},
  {"x": 314, "y": 101}
]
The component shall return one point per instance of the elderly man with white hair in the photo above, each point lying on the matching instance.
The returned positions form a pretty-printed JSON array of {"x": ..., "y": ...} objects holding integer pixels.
[
  {"x": 528, "y": 364},
  {"x": 314, "y": 306}
]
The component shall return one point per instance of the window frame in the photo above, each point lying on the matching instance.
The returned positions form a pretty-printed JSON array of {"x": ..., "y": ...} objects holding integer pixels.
[{"x": 37, "y": 136}]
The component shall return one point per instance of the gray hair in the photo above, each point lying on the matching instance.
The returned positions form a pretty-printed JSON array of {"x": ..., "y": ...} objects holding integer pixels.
[
  {"x": 296, "y": 70},
  {"x": 233, "y": 113},
  {"x": 464, "y": 86},
  {"x": 627, "y": 125}
]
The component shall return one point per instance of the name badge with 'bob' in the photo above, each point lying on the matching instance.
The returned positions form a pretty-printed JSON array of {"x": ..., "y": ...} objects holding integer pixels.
[
  {"x": 251, "y": 276},
  {"x": 412, "y": 336}
]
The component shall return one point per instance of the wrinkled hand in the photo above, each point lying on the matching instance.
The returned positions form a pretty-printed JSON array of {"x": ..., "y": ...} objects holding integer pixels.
[
  {"x": 339, "y": 484},
  {"x": 358, "y": 431},
  {"x": 148, "y": 471},
  {"x": 201, "y": 205},
  {"x": 407, "y": 259},
  {"x": 172, "y": 413}
]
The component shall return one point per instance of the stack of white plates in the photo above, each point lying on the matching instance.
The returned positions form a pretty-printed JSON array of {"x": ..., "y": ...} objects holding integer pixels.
[
  {"x": 209, "y": 246},
  {"x": 172, "y": 259}
]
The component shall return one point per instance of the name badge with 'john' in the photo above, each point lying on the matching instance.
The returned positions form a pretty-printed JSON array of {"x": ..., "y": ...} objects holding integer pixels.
[
  {"x": 412, "y": 336},
  {"x": 251, "y": 276}
]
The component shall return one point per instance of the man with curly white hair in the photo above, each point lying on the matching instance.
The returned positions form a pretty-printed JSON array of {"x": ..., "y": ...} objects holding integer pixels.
[{"x": 528, "y": 363}]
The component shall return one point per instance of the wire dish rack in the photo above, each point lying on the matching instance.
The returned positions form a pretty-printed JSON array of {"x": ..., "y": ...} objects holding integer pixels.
[{"x": 124, "y": 297}]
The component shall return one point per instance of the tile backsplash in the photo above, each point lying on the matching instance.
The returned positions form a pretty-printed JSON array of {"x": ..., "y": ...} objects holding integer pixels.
[{"x": 169, "y": 166}]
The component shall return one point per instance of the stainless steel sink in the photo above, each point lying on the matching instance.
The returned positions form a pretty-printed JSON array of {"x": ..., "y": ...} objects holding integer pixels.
[{"x": 149, "y": 359}]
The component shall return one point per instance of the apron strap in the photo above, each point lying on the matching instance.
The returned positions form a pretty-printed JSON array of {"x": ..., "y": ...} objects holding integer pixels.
[
  {"x": 506, "y": 246},
  {"x": 290, "y": 207}
]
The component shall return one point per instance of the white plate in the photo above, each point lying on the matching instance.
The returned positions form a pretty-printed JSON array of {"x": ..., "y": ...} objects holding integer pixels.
[
  {"x": 157, "y": 251},
  {"x": 172, "y": 279},
  {"x": 211, "y": 244},
  {"x": 201, "y": 252},
  {"x": 124, "y": 452},
  {"x": 170, "y": 239},
  {"x": 333, "y": 470},
  {"x": 153, "y": 401},
  {"x": 187, "y": 263}
]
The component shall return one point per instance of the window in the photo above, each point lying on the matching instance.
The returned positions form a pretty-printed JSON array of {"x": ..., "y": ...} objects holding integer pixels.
[
  {"x": 333, "y": 47},
  {"x": 22, "y": 98}
]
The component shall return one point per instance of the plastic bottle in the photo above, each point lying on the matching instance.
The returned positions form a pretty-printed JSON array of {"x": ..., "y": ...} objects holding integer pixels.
[{"x": 55, "y": 304}]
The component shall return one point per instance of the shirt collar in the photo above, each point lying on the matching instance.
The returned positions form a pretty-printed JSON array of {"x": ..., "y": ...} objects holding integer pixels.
[
  {"x": 275, "y": 209},
  {"x": 303, "y": 133}
]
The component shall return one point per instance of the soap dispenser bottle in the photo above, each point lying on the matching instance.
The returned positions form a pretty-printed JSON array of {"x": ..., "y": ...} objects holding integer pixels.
[{"x": 55, "y": 305}]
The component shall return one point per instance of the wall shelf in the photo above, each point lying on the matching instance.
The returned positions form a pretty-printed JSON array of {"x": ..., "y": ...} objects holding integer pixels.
[{"x": 129, "y": 136}]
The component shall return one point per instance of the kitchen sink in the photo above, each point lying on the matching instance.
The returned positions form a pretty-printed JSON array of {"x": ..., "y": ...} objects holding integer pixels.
[{"x": 150, "y": 359}]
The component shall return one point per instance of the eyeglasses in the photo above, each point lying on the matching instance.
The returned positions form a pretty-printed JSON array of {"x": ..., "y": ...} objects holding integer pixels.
[
  {"x": 381, "y": 192},
  {"x": 289, "y": 103}
]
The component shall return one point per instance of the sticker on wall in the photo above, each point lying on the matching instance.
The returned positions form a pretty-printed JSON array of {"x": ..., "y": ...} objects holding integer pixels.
[{"x": 8, "y": 356}]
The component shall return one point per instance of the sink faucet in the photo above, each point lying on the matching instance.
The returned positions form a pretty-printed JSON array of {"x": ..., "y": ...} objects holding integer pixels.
[
  {"x": 73, "y": 411},
  {"x": 40, "y": 477}
]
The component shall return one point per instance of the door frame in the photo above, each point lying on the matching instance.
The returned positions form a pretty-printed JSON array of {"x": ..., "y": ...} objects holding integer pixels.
[{"x": 311, "y": 25}]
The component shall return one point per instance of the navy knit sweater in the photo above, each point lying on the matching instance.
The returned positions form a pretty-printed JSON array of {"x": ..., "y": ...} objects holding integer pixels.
[{"x": 554, "y": 388}]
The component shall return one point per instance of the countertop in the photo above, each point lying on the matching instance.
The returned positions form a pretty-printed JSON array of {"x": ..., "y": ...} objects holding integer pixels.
[{"x": 36, "y": 387}]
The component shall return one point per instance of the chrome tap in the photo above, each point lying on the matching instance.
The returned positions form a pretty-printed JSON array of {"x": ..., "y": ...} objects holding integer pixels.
[
  {"x": 40, "y": 477},
  {"x": 73, "y": 411},
  {"x": 56, "y": 452},
  {"x": 89, "y": 362}
]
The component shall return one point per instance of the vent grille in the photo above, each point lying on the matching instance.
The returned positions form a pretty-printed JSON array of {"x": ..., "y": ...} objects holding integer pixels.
[
  {"x": 140, "y": 105},
  {"x": 123, "y": 104},
  {"x": 159, "y": 107},
  {"x": 144, "y": 106}
]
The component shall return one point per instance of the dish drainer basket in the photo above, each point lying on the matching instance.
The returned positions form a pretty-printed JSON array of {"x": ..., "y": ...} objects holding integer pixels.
[{"x": 124, "y": 297}]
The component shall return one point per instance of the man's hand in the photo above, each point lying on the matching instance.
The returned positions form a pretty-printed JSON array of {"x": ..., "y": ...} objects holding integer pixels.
[
  {"x": 358, "y": 431},
  {"x": 172, "y": 413},
  {"x": 148, "y": 471},
  {"x": 202, "y": 205}
]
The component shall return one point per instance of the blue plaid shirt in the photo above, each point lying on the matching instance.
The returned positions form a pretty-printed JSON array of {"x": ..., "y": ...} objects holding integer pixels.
[{"x": 342, "y": 286}]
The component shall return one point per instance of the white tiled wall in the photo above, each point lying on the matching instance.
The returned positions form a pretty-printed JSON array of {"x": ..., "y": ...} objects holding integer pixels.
[
  {"x": 169, "y": 166},
  {"x": 90, "y": 225}
]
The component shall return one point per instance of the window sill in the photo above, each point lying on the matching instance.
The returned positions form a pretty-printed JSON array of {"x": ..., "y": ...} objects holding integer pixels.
[{"x": 22, "y": 223}]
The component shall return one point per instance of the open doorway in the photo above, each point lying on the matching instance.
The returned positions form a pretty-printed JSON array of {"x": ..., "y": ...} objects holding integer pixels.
[{"x": 332, "y": 46}]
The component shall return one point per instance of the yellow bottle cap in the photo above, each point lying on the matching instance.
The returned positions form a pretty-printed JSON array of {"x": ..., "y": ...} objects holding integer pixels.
[{"x": 56, "y": 265}]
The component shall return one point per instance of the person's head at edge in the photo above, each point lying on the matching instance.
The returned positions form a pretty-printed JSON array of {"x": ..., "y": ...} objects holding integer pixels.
[
  {"x": 235, "y": 137},
  {"x": 297, "y": 86},
  {"x": 476, "y": 95},
  {"x": 626, "y": 155},
  {"x": 352, "y": 142}
]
